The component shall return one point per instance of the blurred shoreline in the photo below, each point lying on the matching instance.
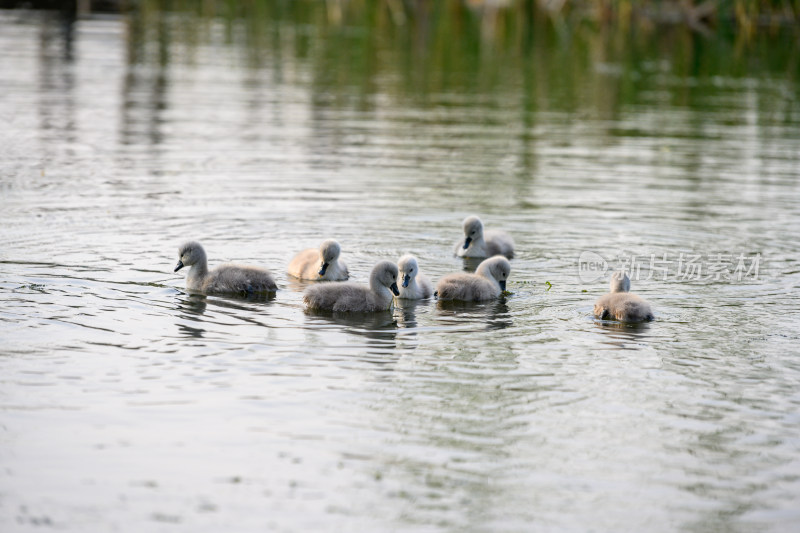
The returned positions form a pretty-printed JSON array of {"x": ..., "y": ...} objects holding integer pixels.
[{"x": 746, "y": 18}]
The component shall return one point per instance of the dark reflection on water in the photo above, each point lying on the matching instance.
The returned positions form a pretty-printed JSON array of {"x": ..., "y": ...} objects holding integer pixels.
[
  {"x": 381, "y": 325},
  {"x": 142, "y": 118},
  {"x": 237, "y": 301},
  {"x": 192, "y": 304},
  {"x": 408, "y": 309},
  {"x": 299, "y": 285},
  {"x": 494, "y": 313},
  {"x": 471, "y": 263},
  {"x": 189, "y": 331},
  {"x": 194, "y": 307},
  {"x": 262, "y": 128},
  {"x": 379, "y": 330},
  {"x": 56, "y": 81},
  {"x": 623, "y": 334}
]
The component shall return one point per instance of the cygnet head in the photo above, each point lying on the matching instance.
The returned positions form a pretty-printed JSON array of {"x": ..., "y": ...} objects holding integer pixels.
[
  {"x": 328, "y": 253},
  {"x": 190, "y": 253},
  {"x": 407, "y": 265},
  {"x": 385, "y": 273},
  {"x": 497, "y": 267},
  {"x": 473, "y": 229},
  {"x": 620, "y": 282}
]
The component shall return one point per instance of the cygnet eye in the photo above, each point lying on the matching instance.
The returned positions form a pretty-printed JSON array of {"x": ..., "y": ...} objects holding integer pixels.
[{"x": 411, "y": 270}]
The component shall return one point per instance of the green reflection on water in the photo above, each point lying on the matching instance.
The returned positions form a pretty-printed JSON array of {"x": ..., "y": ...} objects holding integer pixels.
[{"x": 515, "y": 58}]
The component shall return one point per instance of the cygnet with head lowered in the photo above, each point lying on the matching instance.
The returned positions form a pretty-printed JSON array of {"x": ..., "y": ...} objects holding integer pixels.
[
  {"x": 352, "y": 297},
  {"x": 619, "y": 304},
  {"x": 225, "y": 279},
  {"x": 488, "y": 282},
  {"x": 319, "y": 264}
]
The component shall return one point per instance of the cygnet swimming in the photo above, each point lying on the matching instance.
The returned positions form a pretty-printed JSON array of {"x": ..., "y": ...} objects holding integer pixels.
[
  {"x": 488, "y": 281},
  {"x": 619, "y": 304},
  {"x": 413, "y": 285},
  {"x": 352, "y": 297},
  {"x": 477, "y": 243},
  {"x": 225, "y": 279},
  {"x": 319, "y": 264}
]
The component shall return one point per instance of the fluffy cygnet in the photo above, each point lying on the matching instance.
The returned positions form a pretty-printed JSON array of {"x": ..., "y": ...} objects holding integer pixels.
[
  {"x": 477, "y": 243},
  {"x": 413, "y": 285},
  {"x": 352, "y": 297},
  {"x": 225, "y": 279},
  {"x": 320, "y": 264},
  {"x": 619, "y": 304},
  {"x": 488, "y": 282}
]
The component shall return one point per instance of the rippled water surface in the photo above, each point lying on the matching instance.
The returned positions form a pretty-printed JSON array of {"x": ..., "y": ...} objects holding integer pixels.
[{"x": 128, "y": 404}]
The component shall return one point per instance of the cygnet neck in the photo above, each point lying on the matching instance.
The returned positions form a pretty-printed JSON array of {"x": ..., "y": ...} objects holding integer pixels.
[
  {"x": 483, "y": 270},
  {"x": 375, "y": 282},
  {"x": 199, "y": 270}
]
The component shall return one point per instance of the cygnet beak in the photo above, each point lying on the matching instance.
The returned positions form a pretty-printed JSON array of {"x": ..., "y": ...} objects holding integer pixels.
[
  {"x": 394, "y": 288},
  {"x": 502, "y": 284},
  {"x": 466, "y": 242},
  {"x": 323, "y": 269},
  {"x": 179, "y": 266},
  {"x": 406, "y": 279}
]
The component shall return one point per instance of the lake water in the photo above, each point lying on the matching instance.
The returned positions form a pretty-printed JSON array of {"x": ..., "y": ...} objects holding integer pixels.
[{"x": 128, "y": 404}]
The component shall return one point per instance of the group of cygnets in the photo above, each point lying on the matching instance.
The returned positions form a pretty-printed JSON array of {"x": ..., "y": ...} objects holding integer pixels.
[{"x": 324, "y": 265}]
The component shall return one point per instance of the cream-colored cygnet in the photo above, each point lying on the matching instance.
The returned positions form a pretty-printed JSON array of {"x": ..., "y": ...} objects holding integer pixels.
[
  {"x": 320, "y": 264},
  {"x": 619, "y": 304}
]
